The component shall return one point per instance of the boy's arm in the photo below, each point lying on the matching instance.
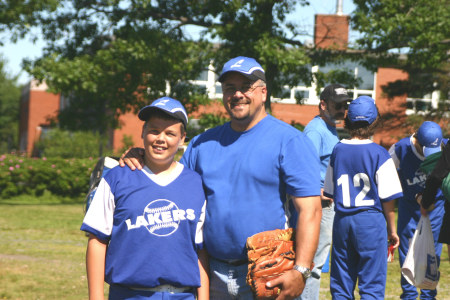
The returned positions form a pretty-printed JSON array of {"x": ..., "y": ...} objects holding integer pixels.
[
  {"x": 95, "y": 267},
  {"x": 389, "y": 213},
  {"x": 203, "y": 264}
]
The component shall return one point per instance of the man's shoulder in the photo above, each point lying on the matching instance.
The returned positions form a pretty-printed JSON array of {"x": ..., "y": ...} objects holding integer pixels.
[
  {"x": 281, "y": 126},
  {"x": 211, "y": 133}
]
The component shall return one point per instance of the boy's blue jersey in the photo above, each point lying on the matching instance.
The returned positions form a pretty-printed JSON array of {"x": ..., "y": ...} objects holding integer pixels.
[
  {"x": 407, "y": 161},
  {"x": 362, "y": 177},
  {"x": 153, "y": 226}
]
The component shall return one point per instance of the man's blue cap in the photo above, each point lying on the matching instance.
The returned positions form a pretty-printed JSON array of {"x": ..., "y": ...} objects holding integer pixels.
[
  {"x": 429, "y": 136},
  {"x": 247, "y": 66},
  {"x": 168, "y": 105},
  {"x": 362, "y": 109}
]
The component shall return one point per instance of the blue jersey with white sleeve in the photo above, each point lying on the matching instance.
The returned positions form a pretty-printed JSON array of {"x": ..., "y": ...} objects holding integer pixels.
[
  {"x": 153, "y": 225},
  {"x": 360, "y": 176}
]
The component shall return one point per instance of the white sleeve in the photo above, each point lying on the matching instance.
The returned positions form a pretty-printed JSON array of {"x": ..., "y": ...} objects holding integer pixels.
[
  {"x": 328, "y": 185},
  {"x": 201, "y": 222},
  {"x": 100, "y": 214},
  {"x": 394, "y": 156},
  {"x": 387, "y": 180}
]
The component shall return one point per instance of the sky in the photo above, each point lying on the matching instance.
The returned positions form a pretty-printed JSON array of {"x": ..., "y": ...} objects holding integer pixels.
[{"x": 15, "y": 53}]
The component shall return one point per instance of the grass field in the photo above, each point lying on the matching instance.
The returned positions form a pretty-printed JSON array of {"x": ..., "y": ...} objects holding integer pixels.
[{"x": 42, "y": 253}]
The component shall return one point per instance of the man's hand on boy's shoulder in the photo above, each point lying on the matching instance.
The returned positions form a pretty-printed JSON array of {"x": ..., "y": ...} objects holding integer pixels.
[{"x": 133, "y": 158}]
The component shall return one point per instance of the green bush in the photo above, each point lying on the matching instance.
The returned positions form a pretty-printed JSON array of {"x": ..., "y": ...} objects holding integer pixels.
[
  {"x": 66, "y": 144},
  {"x": 34, "y": 176}
]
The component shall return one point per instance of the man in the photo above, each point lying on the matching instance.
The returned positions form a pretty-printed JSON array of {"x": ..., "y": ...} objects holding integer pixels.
[
  {"x": 254, "y": 168},
  {"x": 322, "y": 132},
  {"x": 439, "y": 178},
  {"x": 408, "y": 154}
]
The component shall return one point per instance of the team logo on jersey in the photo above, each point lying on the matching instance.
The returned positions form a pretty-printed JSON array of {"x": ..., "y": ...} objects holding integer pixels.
[
  {"x": 418, "y": 179},
  {"x": 161, "y": 217}
]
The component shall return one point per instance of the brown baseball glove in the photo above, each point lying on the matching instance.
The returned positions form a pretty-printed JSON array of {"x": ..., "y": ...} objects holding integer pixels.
[{"x": 270, "y": 254}]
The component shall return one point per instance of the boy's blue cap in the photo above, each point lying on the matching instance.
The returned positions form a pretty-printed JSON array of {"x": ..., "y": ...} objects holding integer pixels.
[
  {"x": 362, "y": 109},
  {"x": 247, "y": 66},
  {"x": 429, "y": 136},
  {"x": 168, "y": 105}
]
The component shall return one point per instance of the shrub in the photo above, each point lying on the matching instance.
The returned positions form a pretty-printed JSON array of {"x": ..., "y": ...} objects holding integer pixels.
[
  {"x": 66, "y": 144},
  {"x": 34, "y": 176}
]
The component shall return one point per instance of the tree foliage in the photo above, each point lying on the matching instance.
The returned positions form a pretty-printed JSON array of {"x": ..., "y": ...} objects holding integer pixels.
[
  {"x": 109, "y": 52},
  {"x": 9, "y": 110},
  {"x": 108, "y": 57},
  {"x": 418, "y": 29}
]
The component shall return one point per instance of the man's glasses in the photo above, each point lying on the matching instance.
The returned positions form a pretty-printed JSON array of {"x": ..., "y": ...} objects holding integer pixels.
[{"x": 245, "y": 89}]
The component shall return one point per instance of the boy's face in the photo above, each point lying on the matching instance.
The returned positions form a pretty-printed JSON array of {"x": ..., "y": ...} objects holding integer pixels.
[{"x": 161, "y": 137}]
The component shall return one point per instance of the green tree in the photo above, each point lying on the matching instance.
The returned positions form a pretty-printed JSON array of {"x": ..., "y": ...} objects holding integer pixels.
[
  {"x": 17, "y": 17},
  {"x": 108, "y": 52},
  {"x": 9, "y": 110},
  {"x": 413, "y": 35}
]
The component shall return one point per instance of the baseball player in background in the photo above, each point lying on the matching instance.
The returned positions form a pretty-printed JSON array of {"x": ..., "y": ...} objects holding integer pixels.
[
  {"x": 146, "y": 227},
  {"x": 408, "y": 154},
  {"x": 322, "y": 132},
  {"x": 362, "y": 180}
]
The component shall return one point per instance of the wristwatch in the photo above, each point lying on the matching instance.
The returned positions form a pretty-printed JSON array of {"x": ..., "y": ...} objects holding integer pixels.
[{"x": 306, "y": 272}]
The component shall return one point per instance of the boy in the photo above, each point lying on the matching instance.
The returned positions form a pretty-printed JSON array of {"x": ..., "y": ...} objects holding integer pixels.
[
  {"x": 362, "y": 180},
  {"x": 408, "y": 154},
  {"x": 145, "y": 227}
]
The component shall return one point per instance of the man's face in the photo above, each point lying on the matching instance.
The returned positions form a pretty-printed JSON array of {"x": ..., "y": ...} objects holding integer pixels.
[
  {"x": 244, "y": 100},
  {"x": 335, "y": 111},
  {"x": 161, "y": 138}
]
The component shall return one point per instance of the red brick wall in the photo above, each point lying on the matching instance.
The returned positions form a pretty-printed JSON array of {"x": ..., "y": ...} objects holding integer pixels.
[
  {"x": 331, "y": 31},
  {"x": 296, "y": 113},
  {"x": 130, "y": 125},
  {"x": 392, "y": 109},
  {"x": 37, "y": 109}
]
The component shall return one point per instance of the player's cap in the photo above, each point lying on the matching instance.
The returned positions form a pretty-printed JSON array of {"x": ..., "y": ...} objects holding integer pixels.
[
  {"x": 362, "y": 109},
  {"x": 247, "y": 66},
  {"x": 336, "y": 93},
  {"x": 168, "y": 105},
  {"x": 429, "y": 136}
]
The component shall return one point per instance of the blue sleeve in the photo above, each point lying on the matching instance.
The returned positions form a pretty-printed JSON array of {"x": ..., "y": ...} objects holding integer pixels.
[{"x": 301, "y": 167}]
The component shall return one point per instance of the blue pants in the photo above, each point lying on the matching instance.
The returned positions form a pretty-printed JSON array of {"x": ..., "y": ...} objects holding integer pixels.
[
  {"x": 117, "y": 292},
  {"x": 227, "y": 281},
  {"x": 408, "y": 217},
  {"x": 312, "y": 286},
  {"x": 359, "y": 253}
]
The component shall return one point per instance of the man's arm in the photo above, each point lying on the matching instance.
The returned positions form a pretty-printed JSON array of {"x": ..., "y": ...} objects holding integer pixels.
[
  {"x": 95, "y": 267},
  {"x": 309, "y": 210},
  {"x": 434, "y": 180}
]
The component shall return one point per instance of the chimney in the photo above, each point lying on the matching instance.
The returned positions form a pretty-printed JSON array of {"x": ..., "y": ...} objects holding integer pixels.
[{"x": 331, "y": 31}]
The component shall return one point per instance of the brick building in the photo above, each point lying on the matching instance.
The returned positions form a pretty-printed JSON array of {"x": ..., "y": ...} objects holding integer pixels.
[{"x": 331, "y": 31}]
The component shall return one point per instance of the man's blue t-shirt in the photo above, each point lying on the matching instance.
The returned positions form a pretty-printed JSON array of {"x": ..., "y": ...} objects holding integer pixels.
[
  {"x": 324, "y": 137},
  {"x": 246, "y": 178}
]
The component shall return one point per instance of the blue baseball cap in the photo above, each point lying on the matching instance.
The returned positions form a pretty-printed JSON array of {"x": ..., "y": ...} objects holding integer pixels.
[
  {"x": 429, "y": 136},
  {"x": 247, "y": 66},
  {"x": 362, "y": 109},
  {"x": 168, "y": 105}
]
